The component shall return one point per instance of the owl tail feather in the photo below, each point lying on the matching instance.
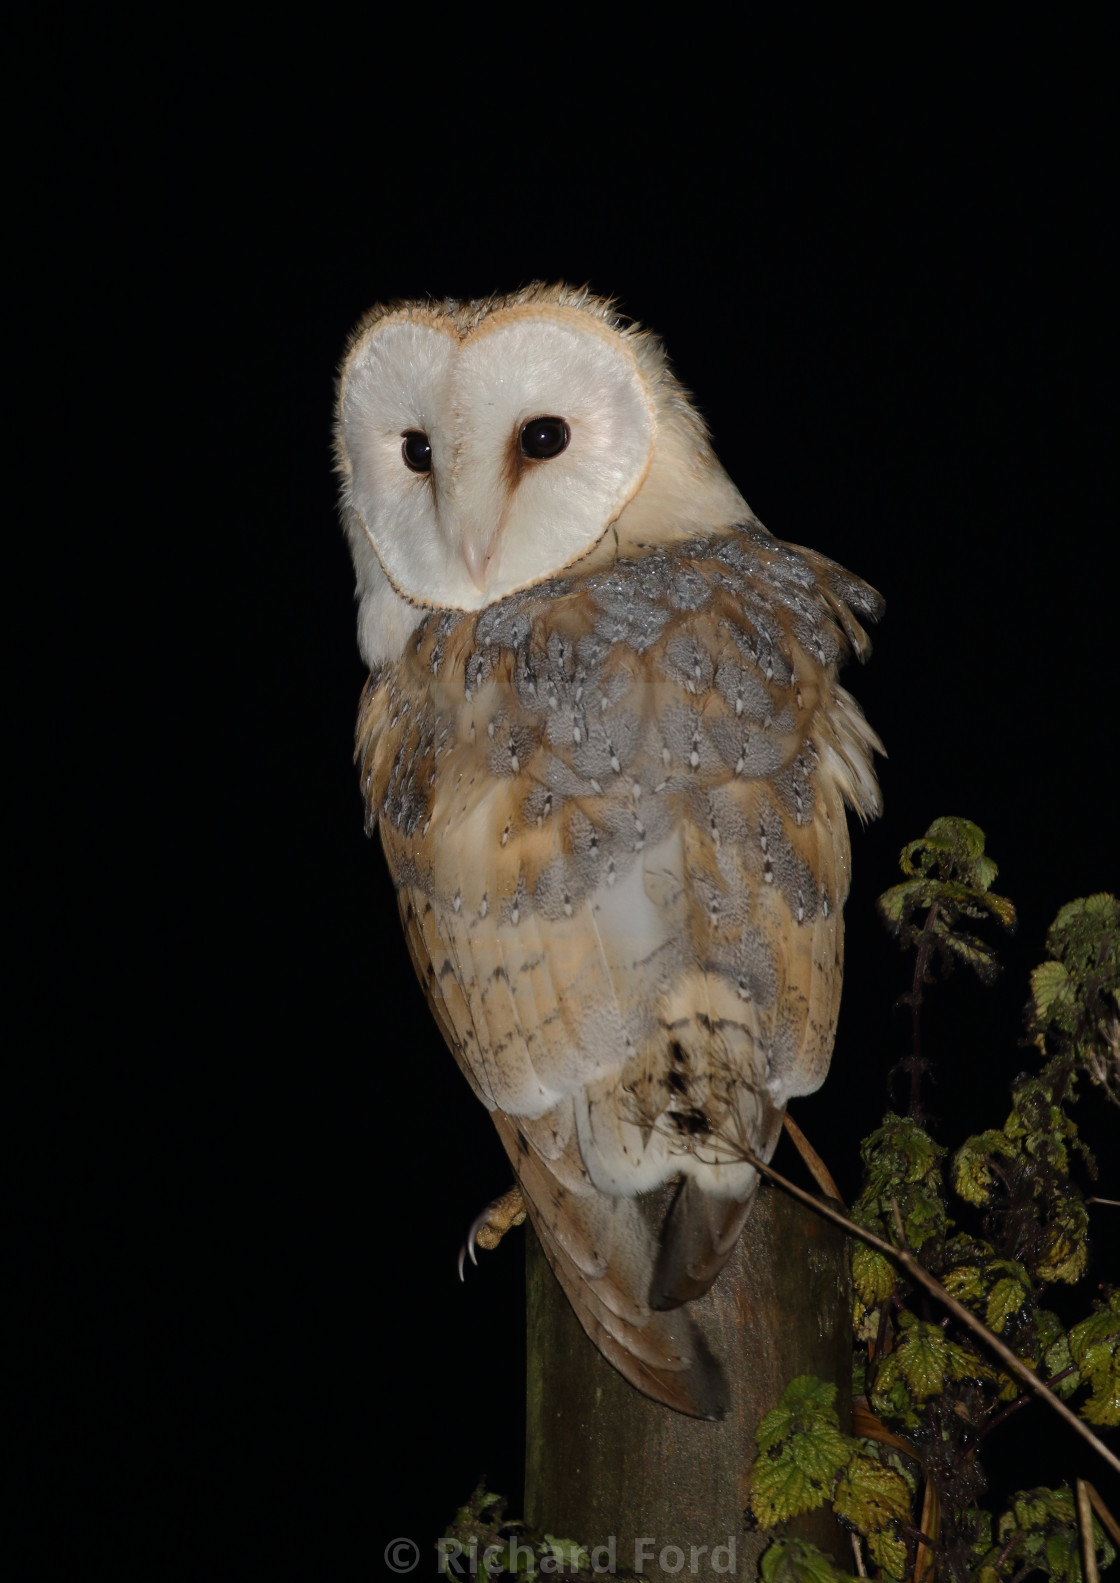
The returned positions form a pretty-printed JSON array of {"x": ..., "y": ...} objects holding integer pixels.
[
  {"x": 700, "y": 1233},
  {"x": 602, "y": 1250},
  {"x": 668, "y": 1360}
]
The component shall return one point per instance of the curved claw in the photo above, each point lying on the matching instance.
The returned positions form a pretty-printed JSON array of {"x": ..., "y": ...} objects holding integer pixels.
[
  {"x": 495, "y": 1220},
  {"x": 469, "y": 1246}
]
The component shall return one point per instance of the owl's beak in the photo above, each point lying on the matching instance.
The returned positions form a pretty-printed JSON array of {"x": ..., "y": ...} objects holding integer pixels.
[{"x": 478, "y": 551}]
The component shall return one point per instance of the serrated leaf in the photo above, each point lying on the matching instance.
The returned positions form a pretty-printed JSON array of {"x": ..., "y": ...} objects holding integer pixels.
[
  {"x": 805, "y": 1403},
  {"x": 973, "y": 1177},
  {"x": 1103, "y": 1325},
  {"x": 964, "y": 1283},
  {"x": 797, "y": 1561},
  {"x": 801, "y": 1450},
  {"x": 923, "y": 1217},
  {"x": 1076, "y": 931},
  {"x": 1032, "y": 1508},
  {"x": 1057, "y": 1360},
  {"x": 1006, "y": 1298},
  {"x": 1062, "y": 1552},
  {"x": 873, "y": 1498},
  {"x": 1048, "y": 982},
  {"x": 1065, "y": 1256},
  {"x": 981, "y": 1532},
  {"x": 892, "y": 904},
  {"x": 567, "y": 1552},
  {"x": 1049, "y": 1329},
  {"x": 974, "y": 953},
  {"x": 923, "y": 1357},
  {"x": 986, "y": 872},
  {"x": 1103, "y": 1407},
  {"x": 890, "y": 1396},
  {"x": 888, "y": 1551},
  {"x": 873, "y": 1275},
  {"x": 965, "y": 1364},
  {"x": 1095, "y": 1343},
  {"x": 789, "y": 1483},
  {"x": 869, "y": 1496}
]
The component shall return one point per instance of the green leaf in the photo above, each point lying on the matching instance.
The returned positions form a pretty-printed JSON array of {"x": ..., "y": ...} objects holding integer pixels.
[
  {"x": 873, "y": 1498},
  {"x": 964, "y": 1283},
  {"x": 567, "y": 1552},
  {"x": 1102, "y": 1325},
  {"x": 1049, "y": 1328},
  {"x": 1075, "y": 935},
  {"x": 870, "y": 1495},
  {"x": 801, "y": 1450},
  {"x": 799, "y": 1479},
  {"x": 1065, "y": 1252},
  {"x": 889, "y": 1551},
  {"x": 973, "y": 952},
  {"x": 955, "y": 848},
  {"x": 873, "y": 1275},
  {"x": 1007, "y": 1297},
  {"x": 1048, "y": 983},
  {"x": 948, "y": 878},
  {"x": 1103, "y": 1406},
  {"x": 1094, "y": 1345},
  {"x": 805, "y": 1402},
  {"x": 1040, "y": 1533},
  {"x": 923, "y": 1357},
  {"x": 964, "y": 1364},
  {"x": 796, "y": 1561},
  {"x": 891, "y": 1397},
  {"x": 1057, "y": 1359},
  {"x": 973, "y": 1176}
]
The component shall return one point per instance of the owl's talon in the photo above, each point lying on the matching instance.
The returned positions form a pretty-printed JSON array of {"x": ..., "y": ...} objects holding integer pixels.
[{"x": 488, "y": 1228}]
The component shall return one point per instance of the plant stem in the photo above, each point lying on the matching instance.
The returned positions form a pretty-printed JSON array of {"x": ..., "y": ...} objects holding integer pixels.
[
  {"x": 1007, "y": 1549},
  {"x": 1085, "y": 1524},
  {"x": 915, "y": 1063}
]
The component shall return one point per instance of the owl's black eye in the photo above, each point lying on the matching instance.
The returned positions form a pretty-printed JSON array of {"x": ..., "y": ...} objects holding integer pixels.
[
  {"x": 544, "y": 437},
  {"x": 417, "y": 451}
]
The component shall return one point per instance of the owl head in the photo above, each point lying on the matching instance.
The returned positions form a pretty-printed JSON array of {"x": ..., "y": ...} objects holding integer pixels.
[{"x": 486, "y": 446}]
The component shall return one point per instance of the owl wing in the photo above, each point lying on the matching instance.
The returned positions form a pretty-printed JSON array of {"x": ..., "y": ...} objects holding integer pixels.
[{"x": 613, "y": 809}]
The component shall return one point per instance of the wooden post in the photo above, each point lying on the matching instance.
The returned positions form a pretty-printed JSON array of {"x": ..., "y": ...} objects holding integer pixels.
[{"x": 603, "y": 1460}]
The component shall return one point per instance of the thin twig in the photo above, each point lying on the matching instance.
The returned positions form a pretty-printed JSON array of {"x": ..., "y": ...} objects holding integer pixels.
[
  {"x": 928, "y": 1523},
  {"x": 858, "y": 1553},
  {"x": 1022, "y": 1401},
  {"x": 1103, "y": 1512},
  {"x": 935, "y": 1288},
  {"x": 916, "y": 1064},
  {"x": 1085, "y": 1524},
  {"x": 818, "y": 1170},
  {"x": 1004, "y": 1414},
  {"x": 1007, "y": 1549}
]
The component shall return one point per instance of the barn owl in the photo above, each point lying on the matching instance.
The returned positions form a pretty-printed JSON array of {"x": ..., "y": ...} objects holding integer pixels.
[{"x": 608, "y": 755}]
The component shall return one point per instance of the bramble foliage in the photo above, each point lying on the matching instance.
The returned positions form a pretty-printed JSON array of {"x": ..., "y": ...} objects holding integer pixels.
[
  {"x": 801, "y": 1451},
  {"x": 1039, "y": 1534},
  {"x": 920, "y": 1380},
  {"x": 804, "y": 1460},
  {"x": 1075, "y": 1005},
  {"x": 489, "y": 1546},
  {"x": 796, "y": 1561},
  {"x": 949, "y": 879}
]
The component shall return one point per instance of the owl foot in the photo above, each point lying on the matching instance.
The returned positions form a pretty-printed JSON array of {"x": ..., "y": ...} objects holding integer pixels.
[{"x": 491, "y": 1226}]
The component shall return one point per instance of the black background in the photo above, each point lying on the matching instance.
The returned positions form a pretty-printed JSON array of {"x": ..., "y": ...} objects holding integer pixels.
[{"x": 879, "y": 261}]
